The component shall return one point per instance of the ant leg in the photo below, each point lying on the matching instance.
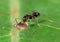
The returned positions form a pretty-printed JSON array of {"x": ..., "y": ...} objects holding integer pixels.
[
  {"x": 37, "y": 22},
  {"x": 28, "y": 20},
  {"x": 36, "y": 19}
]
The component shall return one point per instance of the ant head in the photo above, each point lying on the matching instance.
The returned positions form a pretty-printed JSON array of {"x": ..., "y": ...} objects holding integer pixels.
[{"x": 35, "y": 14}]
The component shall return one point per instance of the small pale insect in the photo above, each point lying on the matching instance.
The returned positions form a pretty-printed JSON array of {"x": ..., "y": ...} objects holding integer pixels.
[{"x": 22, "y": 26}]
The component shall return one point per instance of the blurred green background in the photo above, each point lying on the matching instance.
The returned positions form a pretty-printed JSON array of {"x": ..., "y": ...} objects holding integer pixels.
[
  {"x": 5, "y": 25},
  {"x": 42, "y": 33}
]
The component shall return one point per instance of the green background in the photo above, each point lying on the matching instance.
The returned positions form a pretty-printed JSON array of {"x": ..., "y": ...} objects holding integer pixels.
[
  {"x": 5, "y": 26},
  {"x": 42, "y": 33}
]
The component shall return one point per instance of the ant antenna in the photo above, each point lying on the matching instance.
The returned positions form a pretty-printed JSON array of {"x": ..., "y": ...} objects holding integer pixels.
[
  {"x": 34, "y": 11},
  {"x": 16, "y": 20}
]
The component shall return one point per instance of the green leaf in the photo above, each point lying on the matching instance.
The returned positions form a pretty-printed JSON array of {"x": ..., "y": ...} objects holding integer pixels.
[
  {"x": 48, "y": 30},
  {"x": 5, "y": 25}
]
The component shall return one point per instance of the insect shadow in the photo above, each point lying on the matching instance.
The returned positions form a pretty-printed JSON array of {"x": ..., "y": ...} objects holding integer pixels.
[
  {"x": 35, "y": 24},
  {"x": 41, "y": 21}
]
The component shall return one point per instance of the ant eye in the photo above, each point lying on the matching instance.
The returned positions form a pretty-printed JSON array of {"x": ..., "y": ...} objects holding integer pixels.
[{"x": 38, "y": 13}]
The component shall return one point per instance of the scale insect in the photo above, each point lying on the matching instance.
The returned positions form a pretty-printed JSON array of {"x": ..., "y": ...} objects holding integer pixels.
[
  {"x": 21, "y": 25},
  {"x": 24, "y": 25}
]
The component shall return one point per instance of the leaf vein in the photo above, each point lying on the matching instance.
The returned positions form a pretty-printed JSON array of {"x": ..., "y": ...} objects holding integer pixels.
[{"x": 51, "y": 26}]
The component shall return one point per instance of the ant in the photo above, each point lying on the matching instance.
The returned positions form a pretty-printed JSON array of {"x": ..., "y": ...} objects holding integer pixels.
[
  {"x": 24, "y": 25},
  {"x": 29, "y": 17}
]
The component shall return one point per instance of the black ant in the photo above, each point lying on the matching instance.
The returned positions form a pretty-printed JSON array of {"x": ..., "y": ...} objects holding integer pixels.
[
  {"x": 29, "y": 17},
  {"x": 24, "y": 25}
]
